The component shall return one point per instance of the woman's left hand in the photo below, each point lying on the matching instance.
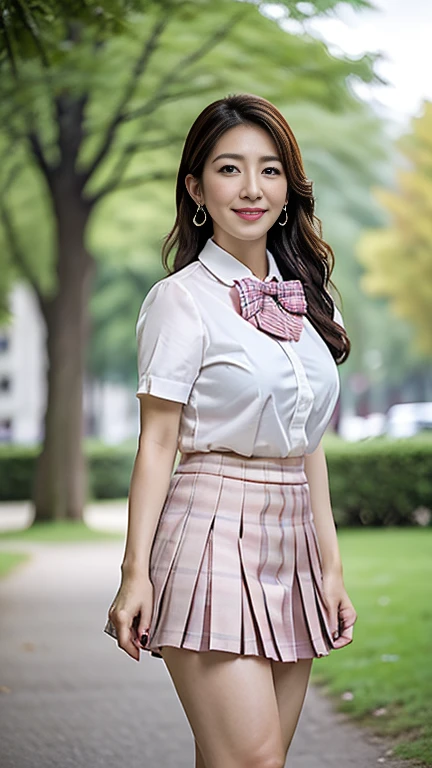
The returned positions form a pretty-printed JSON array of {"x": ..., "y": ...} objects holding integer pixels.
[{"x": 342, "y": 615}]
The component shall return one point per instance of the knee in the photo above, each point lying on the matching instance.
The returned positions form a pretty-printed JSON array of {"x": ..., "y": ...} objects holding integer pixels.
[
  {"x": 269, "y": 760},
  {"x": 272, "y": 761}
]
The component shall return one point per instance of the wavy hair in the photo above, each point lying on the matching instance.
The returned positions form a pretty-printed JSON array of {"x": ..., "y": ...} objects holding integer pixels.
[{"x": 298, "y": 247}]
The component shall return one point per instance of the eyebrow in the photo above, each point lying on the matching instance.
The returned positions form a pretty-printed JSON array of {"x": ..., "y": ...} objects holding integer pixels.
[{"x": 264, "y": 158}]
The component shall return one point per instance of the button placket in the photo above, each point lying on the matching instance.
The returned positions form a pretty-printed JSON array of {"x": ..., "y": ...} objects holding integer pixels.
[{"x": 305, "y": 395}]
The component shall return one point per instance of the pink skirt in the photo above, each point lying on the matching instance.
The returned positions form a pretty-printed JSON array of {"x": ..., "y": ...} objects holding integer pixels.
[{"x": 235, "y": 560}]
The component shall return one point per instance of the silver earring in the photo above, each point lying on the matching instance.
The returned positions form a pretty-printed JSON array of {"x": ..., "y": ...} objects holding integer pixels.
[
  {"x": 282, "y": 223},
  {"x": 200, "y": 208}
]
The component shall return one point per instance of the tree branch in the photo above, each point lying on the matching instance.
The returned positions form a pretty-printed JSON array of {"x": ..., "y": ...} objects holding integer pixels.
[
  {"x": 128, "y": 153},
  {"x": 9, "y": 48},
  {"x": 161, "y": 96},
  {"x": 13, "y": 241},
  {"x": 38, "y": 154},
  {"x": 138, "y": 69},
  {"x": 174, "y": 75},
  {"x": 15, "y": 248},
  {"x": 133, "y": 181},
  {"x": 70, "y": 116},
  {"x": 29, "y": 23}
]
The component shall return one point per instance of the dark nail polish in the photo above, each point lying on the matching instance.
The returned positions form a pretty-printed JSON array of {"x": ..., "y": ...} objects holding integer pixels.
[{"x": 144, "y": 639}]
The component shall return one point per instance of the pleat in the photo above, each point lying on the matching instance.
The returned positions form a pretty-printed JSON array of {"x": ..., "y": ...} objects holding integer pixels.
[
  {"x": 225, "y": 610},
  {"x": 160, "y": 541},
  {"x": 316, "y": 569},
  {"x": 180, "y": 563},
  {"x": 235, "y": 561},
  {"x": 205, "y": 631},
  {"x": 196, "y": 633},
  {"x": 254, "y": 553},
  {"x": 287, "y": 573},
  {"x": 271, "y": 564},
  {"x": 251, "y": 640},
  {"x": 307, "y": 586}
]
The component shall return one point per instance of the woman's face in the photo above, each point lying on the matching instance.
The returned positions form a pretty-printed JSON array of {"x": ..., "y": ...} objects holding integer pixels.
[{"x": 250, "y": 174}]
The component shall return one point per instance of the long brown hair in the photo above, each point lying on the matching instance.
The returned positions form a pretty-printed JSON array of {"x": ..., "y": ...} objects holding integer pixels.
[{"x": 298, "y": 247}]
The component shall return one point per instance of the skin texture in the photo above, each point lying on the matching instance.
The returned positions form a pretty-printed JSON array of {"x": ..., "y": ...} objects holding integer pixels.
[
  {"x": 243, "y": 710},
  {"x": 230, "y": 183}
]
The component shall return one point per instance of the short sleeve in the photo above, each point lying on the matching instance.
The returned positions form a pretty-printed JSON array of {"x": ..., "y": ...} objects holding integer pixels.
[
  {"x": 170, "y": 342},
  {"x": 337, "y": 316}
]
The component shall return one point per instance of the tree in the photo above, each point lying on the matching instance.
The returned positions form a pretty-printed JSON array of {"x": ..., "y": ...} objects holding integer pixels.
[
  {"x": 29, "y": 28},
  {"x": 398, "y": 257},
  {"x": 99, "y": 114}
]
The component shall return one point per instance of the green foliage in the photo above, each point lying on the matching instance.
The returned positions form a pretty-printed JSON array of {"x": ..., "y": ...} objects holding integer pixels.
[
  {"x": 387, "y": 670},
  {"x": 378, "y": 482},
  {"x": 17, "y": 465},
  {"x": 34, "y": 28},
  {"x": 9, "y": 561},
  {"x": 55, "y": 531},
  {"x": 118, "y": 292},
  {"x": 96, "y": 54},
  {"x": 151, "y": 71},
  {"x": 398, "y": 257},
  {"x": 109, "y": 471}
]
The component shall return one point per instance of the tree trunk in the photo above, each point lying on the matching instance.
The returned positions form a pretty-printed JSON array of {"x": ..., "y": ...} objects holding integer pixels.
[{"x": 60, "y": 483}]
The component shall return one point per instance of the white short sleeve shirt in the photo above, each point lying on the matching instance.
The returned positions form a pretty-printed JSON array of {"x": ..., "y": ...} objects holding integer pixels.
[{"x": 242, "y": 390}]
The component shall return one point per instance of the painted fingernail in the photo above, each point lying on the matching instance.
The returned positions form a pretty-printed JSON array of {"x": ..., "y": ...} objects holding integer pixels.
[{"x": 144, "y": 639}]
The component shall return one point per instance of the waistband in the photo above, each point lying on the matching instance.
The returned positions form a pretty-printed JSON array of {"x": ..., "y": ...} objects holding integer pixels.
[{"x": 263, "y": 469}]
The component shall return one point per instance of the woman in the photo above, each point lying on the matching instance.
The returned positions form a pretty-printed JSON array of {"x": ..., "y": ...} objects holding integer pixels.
[{"x": 232, "y": 573}]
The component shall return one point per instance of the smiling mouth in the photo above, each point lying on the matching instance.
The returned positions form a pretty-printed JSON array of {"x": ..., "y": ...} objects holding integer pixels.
[{"x": 251, "y": 213}]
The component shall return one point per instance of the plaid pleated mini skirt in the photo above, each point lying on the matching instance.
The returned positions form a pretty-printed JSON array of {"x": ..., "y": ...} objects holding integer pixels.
[{"x": 235, "y": 561}]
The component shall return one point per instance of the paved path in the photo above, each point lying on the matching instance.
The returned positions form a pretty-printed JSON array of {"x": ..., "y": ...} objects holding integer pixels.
[{"x": 70, "y": 698}]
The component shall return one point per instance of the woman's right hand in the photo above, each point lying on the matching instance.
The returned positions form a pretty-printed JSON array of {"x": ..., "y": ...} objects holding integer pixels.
[{"x": 131, "y": 611}]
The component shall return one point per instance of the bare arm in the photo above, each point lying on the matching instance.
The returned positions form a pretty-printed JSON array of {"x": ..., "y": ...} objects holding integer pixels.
[
  {"x": 151, "y": 475},
  {"x": 157, "y": 449},
  {"x": 342, "y": 615},
  {"x": 317, "y": 475}
]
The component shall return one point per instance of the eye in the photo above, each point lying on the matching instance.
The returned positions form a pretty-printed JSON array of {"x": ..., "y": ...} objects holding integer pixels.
[
  {"x": 226, "y": 166},
  {"x": 270, "y": 168},
  {"x": 273, "y": 169}
]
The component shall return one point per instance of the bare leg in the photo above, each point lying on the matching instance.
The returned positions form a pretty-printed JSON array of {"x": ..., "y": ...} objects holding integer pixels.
[
  {"x": 290, "y": 681},
  {"x": 231, "y": 706}
]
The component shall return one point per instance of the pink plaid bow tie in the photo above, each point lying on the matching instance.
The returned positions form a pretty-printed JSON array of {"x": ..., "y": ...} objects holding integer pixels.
[{"x": 274, "y": 307}]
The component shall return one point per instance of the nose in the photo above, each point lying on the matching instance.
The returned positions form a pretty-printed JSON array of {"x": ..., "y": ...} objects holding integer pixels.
[{"x": 252, "y": 186}]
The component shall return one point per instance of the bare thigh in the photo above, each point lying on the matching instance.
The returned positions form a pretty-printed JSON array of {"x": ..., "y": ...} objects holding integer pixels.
[
  {"x": 291, "y": 682},
  {"x": 231, "y": 705}
]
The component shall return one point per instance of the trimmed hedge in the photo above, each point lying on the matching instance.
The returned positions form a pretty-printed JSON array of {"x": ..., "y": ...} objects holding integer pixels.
[
  {"x": 109, "y": 471},
  {"x": 16, "y": 472},
  {"x": 381, "y": 481},
  {"x": 378, "y": 481}
]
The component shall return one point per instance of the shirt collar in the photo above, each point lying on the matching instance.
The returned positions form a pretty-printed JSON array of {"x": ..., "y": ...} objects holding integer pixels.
[{"x": 226, "y": 267}]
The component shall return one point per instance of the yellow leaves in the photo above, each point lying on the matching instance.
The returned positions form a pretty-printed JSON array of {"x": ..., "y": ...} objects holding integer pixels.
[{"x": 398, "y": 258}]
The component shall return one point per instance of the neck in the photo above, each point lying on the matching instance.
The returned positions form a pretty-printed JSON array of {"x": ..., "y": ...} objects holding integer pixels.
[{"x": 251, "y": 253}]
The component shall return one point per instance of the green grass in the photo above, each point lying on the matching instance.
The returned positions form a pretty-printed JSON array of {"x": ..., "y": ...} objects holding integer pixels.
[
  {"x": 55, "y": 533},
  {"x": 388, "y": 667},
  {"x": 11, "y": 560},
  {"x": 59, "y": 531},
  {"x": 388, "y": 573}
]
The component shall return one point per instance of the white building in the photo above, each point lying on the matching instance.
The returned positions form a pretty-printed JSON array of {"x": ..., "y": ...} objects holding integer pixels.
[
  {"x": 111, "y": 409},
  {"x": 22, "y": 365}
]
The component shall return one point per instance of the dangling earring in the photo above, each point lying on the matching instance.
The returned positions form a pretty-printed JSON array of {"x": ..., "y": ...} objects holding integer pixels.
[
  {"x": 200, "y": 208},
  {"x": 282, "y": 223}
]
